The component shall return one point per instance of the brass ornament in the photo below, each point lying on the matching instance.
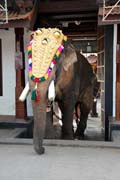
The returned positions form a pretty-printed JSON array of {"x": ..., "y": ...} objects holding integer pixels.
[{"x": 44, "y": 46}]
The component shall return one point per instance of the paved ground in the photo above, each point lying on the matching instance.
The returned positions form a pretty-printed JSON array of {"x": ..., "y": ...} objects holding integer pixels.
[{"x": 67, "y": 160}]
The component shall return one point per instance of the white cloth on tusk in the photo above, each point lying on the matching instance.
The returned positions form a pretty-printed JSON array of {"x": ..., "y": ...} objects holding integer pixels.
[
  {"x": 51, "y": 91},
  {"x": 25, "y": 92}
]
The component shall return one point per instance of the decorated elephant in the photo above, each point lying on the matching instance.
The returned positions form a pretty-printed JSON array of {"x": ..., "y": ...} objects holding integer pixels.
[{"x": 53, "y": 62}]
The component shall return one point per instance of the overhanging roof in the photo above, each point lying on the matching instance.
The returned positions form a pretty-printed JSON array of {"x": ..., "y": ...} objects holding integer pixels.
[
  {"x": 20, "y": 14},
  {"x": 109, "y": 13}
]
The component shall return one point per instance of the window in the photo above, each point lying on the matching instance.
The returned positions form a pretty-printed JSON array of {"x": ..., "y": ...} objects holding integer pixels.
[{"x": 1, "y": 88}]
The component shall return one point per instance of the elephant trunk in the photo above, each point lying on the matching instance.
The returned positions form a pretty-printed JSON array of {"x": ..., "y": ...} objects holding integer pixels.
[
  {"x": 39, "y": 127},
  {"x": 39, "y": 113}
]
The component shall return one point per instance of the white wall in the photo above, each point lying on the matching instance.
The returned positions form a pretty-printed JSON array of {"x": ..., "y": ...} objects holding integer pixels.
[{"x": 7, "y": 101}]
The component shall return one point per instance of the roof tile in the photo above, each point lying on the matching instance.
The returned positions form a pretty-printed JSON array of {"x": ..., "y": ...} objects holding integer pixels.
[{"x": 17, "y": 9}]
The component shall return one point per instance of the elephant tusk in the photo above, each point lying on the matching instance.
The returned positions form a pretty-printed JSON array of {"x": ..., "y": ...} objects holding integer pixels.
[
  {"x": 25, "y": 92},
  {"x": 51, "y": 91}
]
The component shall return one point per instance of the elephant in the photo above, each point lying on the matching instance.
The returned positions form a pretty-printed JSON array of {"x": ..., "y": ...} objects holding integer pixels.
[{"x": 73, "y": 79}]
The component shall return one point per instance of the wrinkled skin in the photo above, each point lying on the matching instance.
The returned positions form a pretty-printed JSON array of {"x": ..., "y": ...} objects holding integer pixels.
[{"x": 73, "y": 83}]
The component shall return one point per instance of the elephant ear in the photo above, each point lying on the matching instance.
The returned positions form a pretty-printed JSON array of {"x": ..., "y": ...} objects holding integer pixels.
[{"x": 70, "y": 57}]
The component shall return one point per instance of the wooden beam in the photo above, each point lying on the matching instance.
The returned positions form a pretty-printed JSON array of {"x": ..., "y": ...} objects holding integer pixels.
[
  {"x": 112, "y": 20},
  {"x": 67, "y": 6},
  {"x": 76, "y": 35},
  {"x": 34, "y": 15},
  {"x": 16, "y": 24}
]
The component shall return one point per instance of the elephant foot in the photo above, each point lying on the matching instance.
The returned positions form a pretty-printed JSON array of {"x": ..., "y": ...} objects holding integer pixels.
[
  {"x": 67, "y": 134},
  {"x": 67, "y": 137},
  {"x": 79, "y": 136},
  {"x": 39, "y": 150}
]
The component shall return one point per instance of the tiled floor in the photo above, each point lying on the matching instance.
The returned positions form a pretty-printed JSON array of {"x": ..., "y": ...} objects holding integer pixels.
[
  {"x": 93, "y": 131},
  {"x": 94, "y": 128},
  {"x": 10, "y": 133}
]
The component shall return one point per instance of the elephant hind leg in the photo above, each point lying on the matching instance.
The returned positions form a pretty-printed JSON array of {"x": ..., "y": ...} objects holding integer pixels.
[
  {"x": 79, "y": 134},
  {"x": 77, "y": 112}
]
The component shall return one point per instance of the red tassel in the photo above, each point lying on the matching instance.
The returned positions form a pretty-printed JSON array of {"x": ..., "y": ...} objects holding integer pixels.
[{"x": 37, "y": 96}]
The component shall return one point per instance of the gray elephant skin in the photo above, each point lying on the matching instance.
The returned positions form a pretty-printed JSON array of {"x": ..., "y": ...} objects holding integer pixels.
[{"x": 73, "y": 77}]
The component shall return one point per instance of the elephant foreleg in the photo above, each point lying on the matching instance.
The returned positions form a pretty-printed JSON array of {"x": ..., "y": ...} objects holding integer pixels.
[{"x": 67, "y": 120}]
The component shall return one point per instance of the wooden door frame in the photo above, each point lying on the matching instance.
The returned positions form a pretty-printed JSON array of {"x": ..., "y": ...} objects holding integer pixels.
[
  {"x": 105, "y": 75},
  {"x": 108, "y": 77},
  {"x": 1, "y": 81},
  {"x": 118, "y": 75},
  {"x": 21, "y": 109}
]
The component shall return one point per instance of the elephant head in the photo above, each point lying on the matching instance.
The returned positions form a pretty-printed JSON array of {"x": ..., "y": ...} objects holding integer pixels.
[{"x": 53, "y": 59}]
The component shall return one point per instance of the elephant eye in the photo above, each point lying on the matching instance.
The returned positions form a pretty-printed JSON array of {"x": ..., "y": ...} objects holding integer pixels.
[
  {"x": 39, "y": 32},
  {"x": 57, "y": 34}
]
